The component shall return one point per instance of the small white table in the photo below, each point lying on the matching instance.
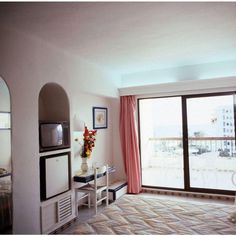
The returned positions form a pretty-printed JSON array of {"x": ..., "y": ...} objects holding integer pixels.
[{"x": 89, "y": 175}]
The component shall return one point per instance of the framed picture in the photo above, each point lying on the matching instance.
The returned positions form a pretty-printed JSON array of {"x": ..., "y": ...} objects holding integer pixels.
[
  {"x": 5, "y": 120},
  {"x": 99, "y": 118}
]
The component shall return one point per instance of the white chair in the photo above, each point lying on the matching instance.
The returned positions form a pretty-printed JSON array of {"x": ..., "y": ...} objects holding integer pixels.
[
  {"x": 77, "y": 200},
  {"x": 95, "y": 189}
]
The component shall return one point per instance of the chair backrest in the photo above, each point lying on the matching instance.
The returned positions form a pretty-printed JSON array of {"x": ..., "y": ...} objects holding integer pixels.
[{"x": 101, "y": 171}]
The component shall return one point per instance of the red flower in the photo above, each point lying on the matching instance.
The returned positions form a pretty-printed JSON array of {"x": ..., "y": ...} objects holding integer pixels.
[{"x": 89, "y": 139}]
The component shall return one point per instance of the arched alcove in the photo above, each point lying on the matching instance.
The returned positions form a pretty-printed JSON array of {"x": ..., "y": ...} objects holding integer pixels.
[
  {"x": 53, "y": 103},
  {"x": 54, "y": 135},
  {"x": 5, "y": 159}
]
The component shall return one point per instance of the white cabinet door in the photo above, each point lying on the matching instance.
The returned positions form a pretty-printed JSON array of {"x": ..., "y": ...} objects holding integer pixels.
[{"x": 57, "y": 175}]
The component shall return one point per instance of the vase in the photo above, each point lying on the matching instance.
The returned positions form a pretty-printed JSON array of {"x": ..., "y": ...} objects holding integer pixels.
[{"x": 84, "y": 165}]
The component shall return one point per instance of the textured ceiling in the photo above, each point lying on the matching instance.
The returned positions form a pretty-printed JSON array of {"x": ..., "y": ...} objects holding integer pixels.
[{"x": 131, "y": 37}]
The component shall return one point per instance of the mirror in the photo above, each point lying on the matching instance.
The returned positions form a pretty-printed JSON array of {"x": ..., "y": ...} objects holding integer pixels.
[{"x": 5, "y": 160}]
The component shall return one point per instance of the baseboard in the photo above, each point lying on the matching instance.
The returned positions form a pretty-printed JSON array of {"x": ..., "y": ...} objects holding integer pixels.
[
  {"x": 189, "y": 194},
  {"x": 63, "y": 227}
]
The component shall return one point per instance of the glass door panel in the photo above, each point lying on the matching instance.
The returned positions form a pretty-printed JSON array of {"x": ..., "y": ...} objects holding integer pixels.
[
  {"x": 161, "y": 142},
  {"x": 211, "y": 142}
]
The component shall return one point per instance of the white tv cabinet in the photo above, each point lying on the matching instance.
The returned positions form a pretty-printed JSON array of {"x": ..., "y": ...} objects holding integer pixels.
[
  {"x": 56, "y": 212},
  {"x": 54, "y": 106}
]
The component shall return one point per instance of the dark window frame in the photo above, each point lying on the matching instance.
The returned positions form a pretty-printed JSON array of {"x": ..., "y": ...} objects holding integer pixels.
[{"x": 184, "y": 98}]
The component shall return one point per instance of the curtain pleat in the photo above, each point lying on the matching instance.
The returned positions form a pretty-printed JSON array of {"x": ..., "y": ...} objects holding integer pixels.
[{"x": 129, "y": 143}]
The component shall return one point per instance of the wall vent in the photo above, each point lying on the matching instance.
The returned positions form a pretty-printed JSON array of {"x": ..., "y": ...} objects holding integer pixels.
[{"x": 64, "y": 208}]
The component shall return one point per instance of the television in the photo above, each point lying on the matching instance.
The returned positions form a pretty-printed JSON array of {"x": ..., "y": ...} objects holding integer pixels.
[
  {"x": 54, "y": 135},
  {"x": 54, "y": 175}
]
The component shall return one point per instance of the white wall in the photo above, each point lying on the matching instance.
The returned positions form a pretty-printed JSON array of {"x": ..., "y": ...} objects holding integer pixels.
[
  {"x": 26, "y": 64},
  {"x": 117, "y": 154},
  {"x": 111, "y": 153},
  {"x": 82, "y": 107}
]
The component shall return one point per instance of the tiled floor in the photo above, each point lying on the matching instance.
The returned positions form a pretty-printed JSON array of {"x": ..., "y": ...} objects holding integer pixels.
[{"x": 85, "y": 213}]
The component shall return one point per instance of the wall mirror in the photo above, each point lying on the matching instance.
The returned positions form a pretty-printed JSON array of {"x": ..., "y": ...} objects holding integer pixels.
[{"x": 5, "y": 160}]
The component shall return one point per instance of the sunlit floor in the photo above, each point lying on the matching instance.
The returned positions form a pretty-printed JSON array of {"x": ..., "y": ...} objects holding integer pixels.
[
  {"x": 207, "y": 171},
  {"x": 173, "y": 178}
]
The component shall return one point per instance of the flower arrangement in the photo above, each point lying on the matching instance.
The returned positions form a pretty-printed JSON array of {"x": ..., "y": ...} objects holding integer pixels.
[{"x": 89, "y": 142}]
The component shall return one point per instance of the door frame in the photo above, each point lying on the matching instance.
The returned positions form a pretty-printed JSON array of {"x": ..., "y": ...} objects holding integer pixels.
[{"x": 187, "y": 187}]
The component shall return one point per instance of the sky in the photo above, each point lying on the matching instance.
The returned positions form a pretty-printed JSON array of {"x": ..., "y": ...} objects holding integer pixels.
[{"x": 166, "y": 114}]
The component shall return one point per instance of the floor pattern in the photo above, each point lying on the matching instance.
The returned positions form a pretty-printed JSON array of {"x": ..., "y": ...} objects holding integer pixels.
[{"x": 136, "y": 214}]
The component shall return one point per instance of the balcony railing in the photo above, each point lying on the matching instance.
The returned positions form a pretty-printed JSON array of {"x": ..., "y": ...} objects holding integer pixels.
[{"x": 225, "y": 146}]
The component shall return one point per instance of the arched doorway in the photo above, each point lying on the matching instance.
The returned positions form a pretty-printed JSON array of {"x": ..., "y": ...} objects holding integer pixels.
[{"x": 5, "y": 160}]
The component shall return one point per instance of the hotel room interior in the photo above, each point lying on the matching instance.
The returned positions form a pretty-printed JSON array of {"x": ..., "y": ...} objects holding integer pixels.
[{"x": 141, "y": 94}]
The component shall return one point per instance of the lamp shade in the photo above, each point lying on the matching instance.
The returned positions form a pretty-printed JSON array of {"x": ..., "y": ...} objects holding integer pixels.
[{"x": 78, "y": 124}]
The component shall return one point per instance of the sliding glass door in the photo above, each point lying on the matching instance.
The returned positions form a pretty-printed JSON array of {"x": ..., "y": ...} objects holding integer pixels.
[
  {"x": 211, "y": 142},
  {"x": 161, "y": 142},
  {"x": 188, "y": 142}
]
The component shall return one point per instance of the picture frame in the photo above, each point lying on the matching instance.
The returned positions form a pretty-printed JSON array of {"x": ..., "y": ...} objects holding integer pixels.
[
  {"x": 100, "y": 118},
  {"x": 5, "y": 120}
]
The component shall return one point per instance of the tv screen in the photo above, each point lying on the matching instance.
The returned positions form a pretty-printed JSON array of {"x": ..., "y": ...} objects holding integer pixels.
[{"x": 51, "y": 135}]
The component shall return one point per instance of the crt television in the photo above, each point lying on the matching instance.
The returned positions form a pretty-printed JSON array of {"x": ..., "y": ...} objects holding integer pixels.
[{"x": 54, "y": 135}]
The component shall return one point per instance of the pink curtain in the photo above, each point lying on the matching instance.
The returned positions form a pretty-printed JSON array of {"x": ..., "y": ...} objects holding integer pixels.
[{"x": 129, "y": 143}]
